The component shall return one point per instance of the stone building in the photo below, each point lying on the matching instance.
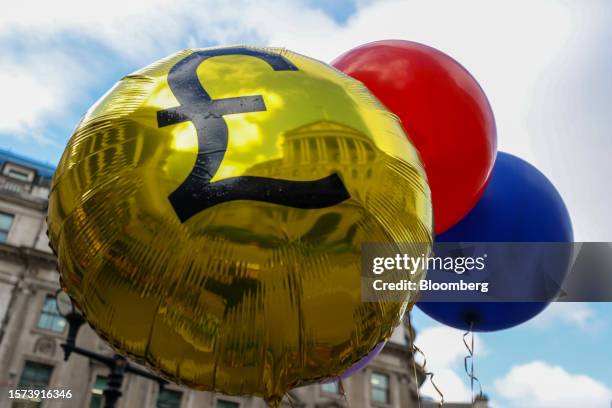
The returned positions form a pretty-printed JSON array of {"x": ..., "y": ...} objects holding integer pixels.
[{"x": 32, "y": 330}]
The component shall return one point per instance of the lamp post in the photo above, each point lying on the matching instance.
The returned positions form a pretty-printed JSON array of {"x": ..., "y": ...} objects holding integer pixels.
[{"x": 117, "y": 364}]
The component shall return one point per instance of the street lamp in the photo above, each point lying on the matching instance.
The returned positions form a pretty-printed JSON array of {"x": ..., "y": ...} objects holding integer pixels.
[{"x": 117, "y": 364}]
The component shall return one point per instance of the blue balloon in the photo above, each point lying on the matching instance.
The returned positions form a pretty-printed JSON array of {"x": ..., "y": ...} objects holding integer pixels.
[{"x": 519, "y": 205}]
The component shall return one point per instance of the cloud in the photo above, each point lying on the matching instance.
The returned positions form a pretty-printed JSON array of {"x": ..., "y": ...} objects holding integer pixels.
[
  {"x": 485, "y": 39},
  {"x": 147, "y": 28},
  {"x": 37, "y": 88},
  {"x": 56, "y": 53},
  {"x": 571, "y": 124},
  {"x": 575, "y": 314},
  {"x": 541, "y": 385},
  {"x": 444, "y": 349}
]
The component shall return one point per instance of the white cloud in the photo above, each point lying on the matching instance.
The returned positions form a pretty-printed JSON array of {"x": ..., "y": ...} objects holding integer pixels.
[
  {"x": 575, "y": 314},
  {"x": 49, "y": 49},
  {"x": 35, "y": 88},
  {"x": 540, "y": 385},
  {"x": 145, "y": 28},
  {"x": 443, "y": 348},
  {"x": 485, "y": 39},
  {"x": 570, "y": 119}
]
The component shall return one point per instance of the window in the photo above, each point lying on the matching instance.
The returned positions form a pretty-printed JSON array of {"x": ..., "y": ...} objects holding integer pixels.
[
  {"x": 380, "y": 388},
  {"x": 227, "y": 404},
  {"x": 6, "y": 220},
  {"x": 96, "y": 392},
  {"x": 35, "y": 376},
  {"x": 17, "y": 172},
  {"x": 330, "y": 387},
  {"x": 50, "y": 319},
  {"x": 169, "y": 399},
  {"x": 19, "y": 175}
]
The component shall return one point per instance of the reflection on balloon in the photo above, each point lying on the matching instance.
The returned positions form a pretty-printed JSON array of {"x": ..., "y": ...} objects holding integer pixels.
[{"x": 208, "y": 215}]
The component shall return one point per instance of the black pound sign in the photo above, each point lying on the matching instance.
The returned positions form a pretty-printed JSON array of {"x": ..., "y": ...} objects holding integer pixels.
[{"x": 197, "y": 193}]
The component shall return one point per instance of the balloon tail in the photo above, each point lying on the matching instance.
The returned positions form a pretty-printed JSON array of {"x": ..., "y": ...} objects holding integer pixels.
[
  {"x": 274, "y": 402},
  {"x": 470, "y": 371},
  {"x": 409, "y": 331}
]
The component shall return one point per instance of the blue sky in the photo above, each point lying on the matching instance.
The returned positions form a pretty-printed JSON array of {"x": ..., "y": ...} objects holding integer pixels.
[{"x": 546, "y": 67}]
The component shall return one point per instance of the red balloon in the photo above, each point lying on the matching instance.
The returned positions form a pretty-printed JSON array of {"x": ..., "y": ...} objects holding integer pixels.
[{"x": 444, "y": 112}]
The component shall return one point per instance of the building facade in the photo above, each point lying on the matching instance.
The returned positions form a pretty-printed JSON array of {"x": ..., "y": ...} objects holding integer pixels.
[{"x": 32, "y": 330}]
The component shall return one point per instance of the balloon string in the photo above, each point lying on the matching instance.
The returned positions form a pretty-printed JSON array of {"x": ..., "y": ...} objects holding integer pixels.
[
  {"x": 416, "y": 380},
  {"x": 414, "y": 369},
  {"x": 290, "y": 400},
  {"x": 470, "y": 357},
  {"x": 343, "y": 392},
  {"x": 428, "y": 374}
]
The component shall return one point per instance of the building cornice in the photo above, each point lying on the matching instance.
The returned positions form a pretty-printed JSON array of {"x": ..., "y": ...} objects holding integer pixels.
[
  {"x": 35, "y": 204},
  {"x": 399, "y": 350},
  {"x": 27, "y": 255}
]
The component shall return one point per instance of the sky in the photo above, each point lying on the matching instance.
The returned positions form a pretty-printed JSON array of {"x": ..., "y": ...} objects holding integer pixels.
[{"x": 545, "y": 66}]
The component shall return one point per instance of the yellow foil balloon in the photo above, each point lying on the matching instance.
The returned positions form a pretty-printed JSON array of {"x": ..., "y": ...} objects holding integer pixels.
[{"x": 208, "y": 215}]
